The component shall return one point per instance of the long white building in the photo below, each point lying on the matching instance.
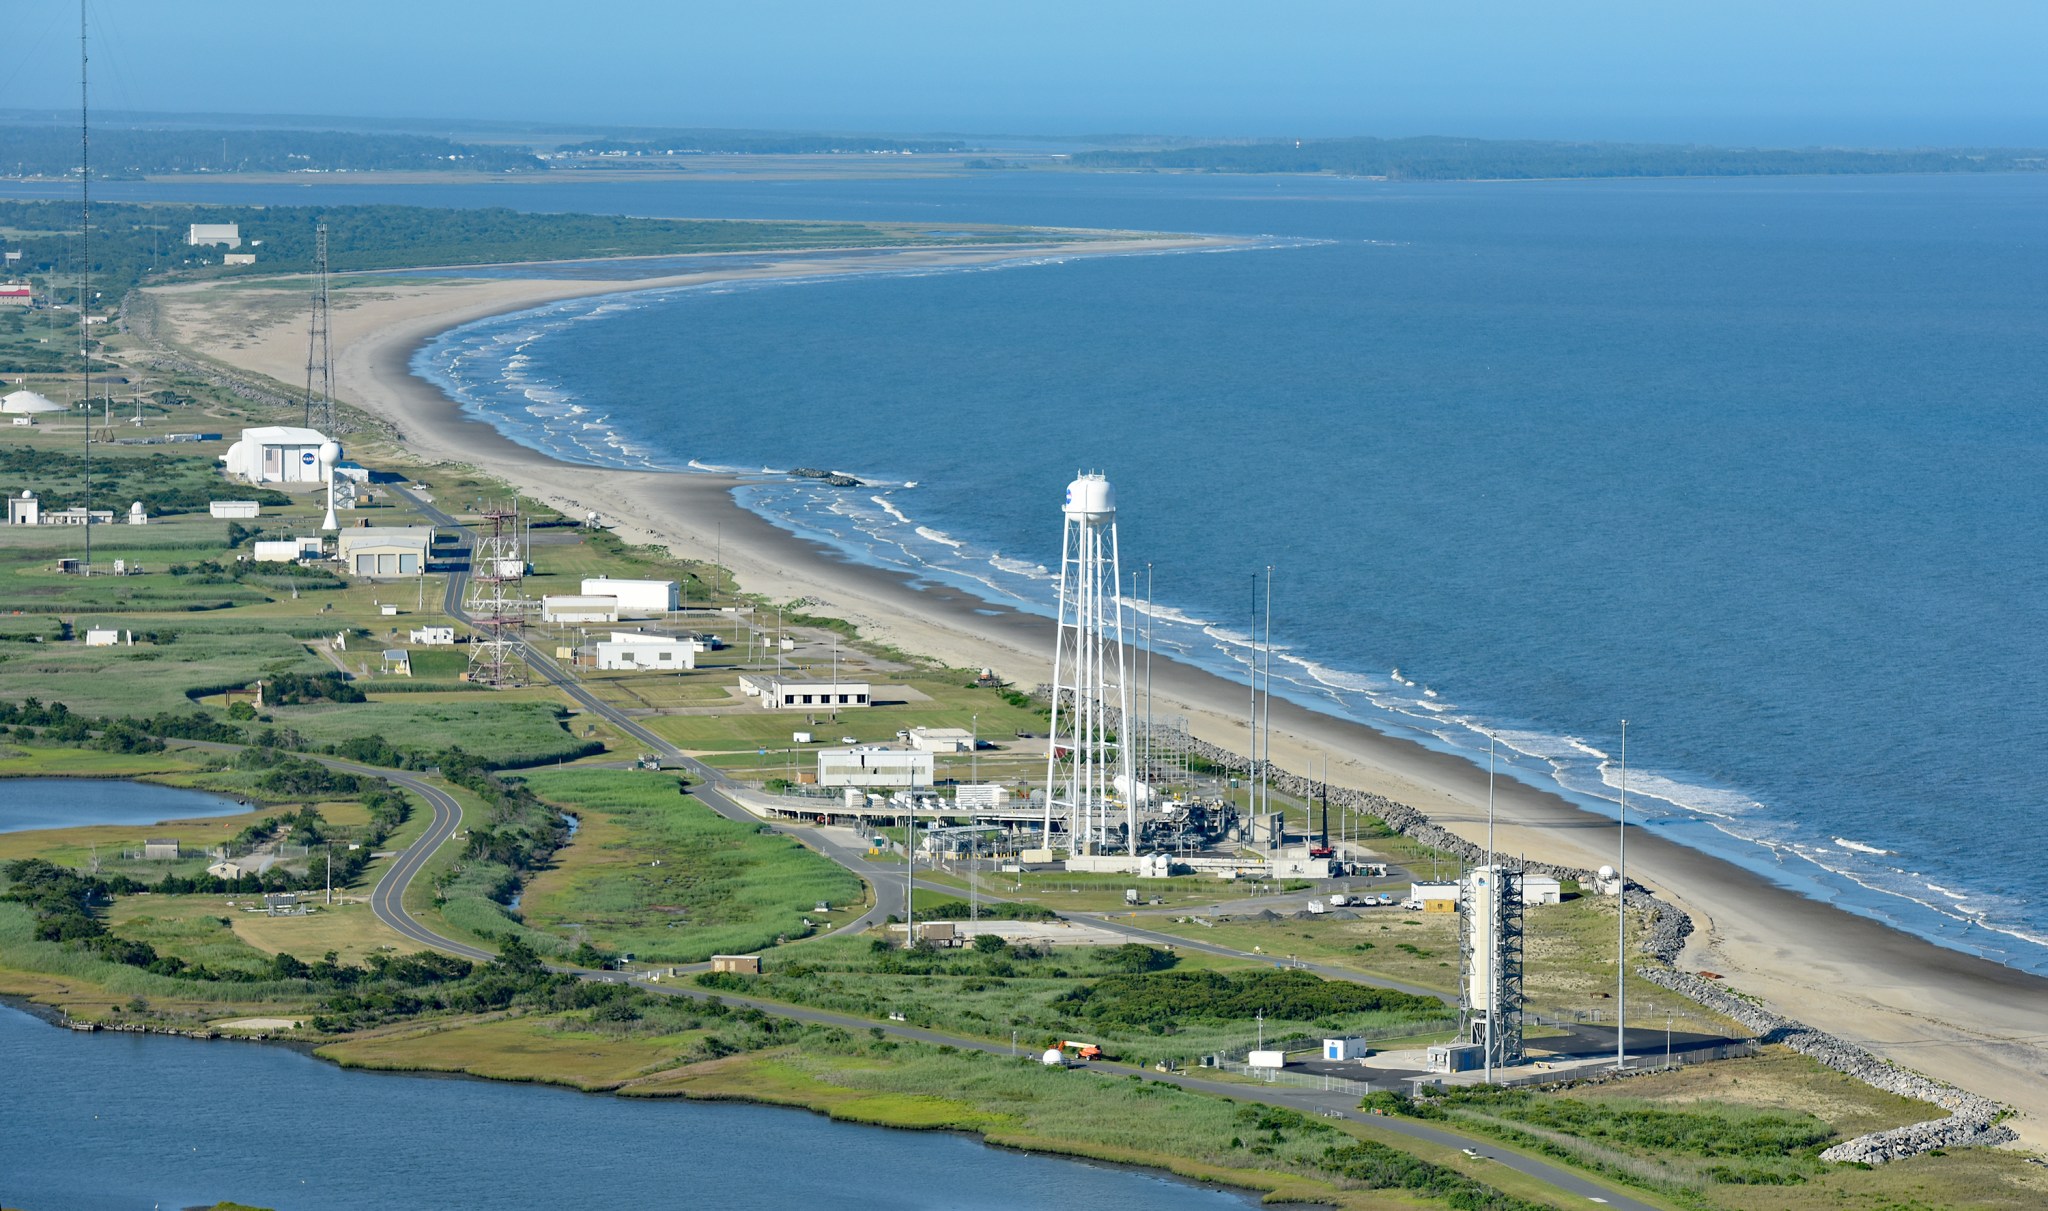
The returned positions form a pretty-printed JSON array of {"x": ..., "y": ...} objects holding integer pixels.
[
  {"x": 627, "y": 651},
  {"x": 874, "y": 767},
  {"x": 635, "y": 596}
]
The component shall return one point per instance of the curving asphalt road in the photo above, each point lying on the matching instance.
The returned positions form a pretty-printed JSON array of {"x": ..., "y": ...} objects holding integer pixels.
[{"x": 388, "y": 902}]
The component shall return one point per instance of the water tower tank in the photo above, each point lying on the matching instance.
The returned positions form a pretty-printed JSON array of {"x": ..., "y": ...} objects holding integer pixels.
[{"x": 1091, "y": 499}]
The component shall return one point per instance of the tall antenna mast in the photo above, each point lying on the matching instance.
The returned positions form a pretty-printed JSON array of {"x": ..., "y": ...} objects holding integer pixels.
[
  {"x": 319, "y": 341},
  {"x": 85, "y": 277}
]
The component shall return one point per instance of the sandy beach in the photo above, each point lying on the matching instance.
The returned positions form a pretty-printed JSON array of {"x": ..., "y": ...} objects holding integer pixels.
[{"x": 1975, "y": 1023}]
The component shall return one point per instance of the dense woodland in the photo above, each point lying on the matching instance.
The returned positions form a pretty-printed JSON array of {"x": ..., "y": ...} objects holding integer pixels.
[
  {"x": 757, "y": 143},
  {"x": 1451, "y": 159},
  {"x": 130, "y": 240},
  {"x": 129, "y": 154}
]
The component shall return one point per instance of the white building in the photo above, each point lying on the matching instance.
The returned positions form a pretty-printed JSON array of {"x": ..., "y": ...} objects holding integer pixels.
[
  {"x": 635, "y": 596},
  {"x": 981, "y": 796},
  {"x": 200, "y": 235},
  {"x": 1541, "y": 889},
  {"x": 432, "y": 637},
  {"x": 276, "y": 454},
  {"x": 562, "y": 607},
  {"x": 1435, "y": 897},
  {"x": 238, "y": 258},
  {"x": 24, "y": 510},
  {"x": 137, "y": 515},
  {"x": 779, "y": 694},
  {"x": 874, "y": 767},
  {"x": 236, "y": 509},
  {"x": 102, "y": 637},
  {"x": 942, "y": 739},
  {"x": 1347, "y": 1048},
  {"x": 627, "y": 651},
  {"x": 385, "y": 550},
  {"x": 28, "y": 403},
  {"x": 286, "y": 550}
]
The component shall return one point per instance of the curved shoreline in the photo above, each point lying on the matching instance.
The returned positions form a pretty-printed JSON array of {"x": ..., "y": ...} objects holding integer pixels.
[{"x": 1896, "y": 993}]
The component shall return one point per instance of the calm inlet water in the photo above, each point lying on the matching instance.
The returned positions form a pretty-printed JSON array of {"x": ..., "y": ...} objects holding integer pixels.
[
  {"x": 34, "y": 803},
  {"x": 1756, "y": 464},
  {"x": 224, "y": 1120}
]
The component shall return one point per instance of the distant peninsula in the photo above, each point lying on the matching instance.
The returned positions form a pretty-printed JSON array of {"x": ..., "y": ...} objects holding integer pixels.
[{"x": 1437, "y": 158}]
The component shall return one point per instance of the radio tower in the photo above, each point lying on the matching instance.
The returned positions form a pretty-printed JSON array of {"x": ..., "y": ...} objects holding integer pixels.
[
  {"x": 319, "y": 346},
  {"x": 496, "y": 603},
  {"x": 1086, "y": 765}
]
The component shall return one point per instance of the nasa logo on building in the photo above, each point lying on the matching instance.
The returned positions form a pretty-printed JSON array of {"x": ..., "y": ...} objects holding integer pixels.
[{"x": 309, "y": 458}]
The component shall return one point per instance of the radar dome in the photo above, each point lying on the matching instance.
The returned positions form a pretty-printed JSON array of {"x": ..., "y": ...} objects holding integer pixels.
[
  {"x": 330, "y": 453},
  {"x": 1607, "y": 874},
  {"x": 1090, "y": 498}
]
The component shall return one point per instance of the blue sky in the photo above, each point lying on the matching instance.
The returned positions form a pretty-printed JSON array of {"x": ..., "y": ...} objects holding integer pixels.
[{"x": 1786, "y": 72}]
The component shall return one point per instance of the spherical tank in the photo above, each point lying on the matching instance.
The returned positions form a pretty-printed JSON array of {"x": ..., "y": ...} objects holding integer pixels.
[
  {"x": 330, "y": 453},
  {"x": 1091, "y": 499}
]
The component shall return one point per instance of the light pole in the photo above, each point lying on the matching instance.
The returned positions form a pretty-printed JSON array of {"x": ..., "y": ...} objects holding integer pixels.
[
  {"x": 974, "y": 751},
  {"x": 1493, "y": 925},
  {"x": 1621, "y": 916}
]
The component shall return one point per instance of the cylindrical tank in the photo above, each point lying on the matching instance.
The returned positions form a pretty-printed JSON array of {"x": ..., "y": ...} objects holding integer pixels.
[{"x": 1091, "y": 499}]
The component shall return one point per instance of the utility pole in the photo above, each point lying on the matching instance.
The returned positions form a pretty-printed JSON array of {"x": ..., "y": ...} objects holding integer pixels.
[
  {"x": 1493, "y": 928},
  {"x": 85, "y": 276},
  {"x": 330, "y": 874},
  {"x": 1621, "y": 917}
]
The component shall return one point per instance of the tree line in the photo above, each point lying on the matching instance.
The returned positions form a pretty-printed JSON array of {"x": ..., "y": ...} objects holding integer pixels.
[{"x": 1436, "y": 158}]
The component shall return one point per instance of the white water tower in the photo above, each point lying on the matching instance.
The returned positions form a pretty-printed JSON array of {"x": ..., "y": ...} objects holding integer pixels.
[
  {"x": 330, "y": 454},
  {"x": 1090, "y": 692}
]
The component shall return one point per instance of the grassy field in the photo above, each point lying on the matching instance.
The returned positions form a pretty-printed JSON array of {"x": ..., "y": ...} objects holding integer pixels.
[
  {"x": 1569, "y": 952},
  {"x": 1033, "y": 996},
  {"x": 499, "y": 731},
  {"x": 658, "y": 874},
  {"x": 552, "y": 1050},
  {"x": 17, "y": 761}
]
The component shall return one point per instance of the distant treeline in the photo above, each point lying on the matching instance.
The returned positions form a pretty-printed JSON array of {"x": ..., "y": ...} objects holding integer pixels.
[
  {"x": 1449, "y": 159},
  {"x": 128, "y": 239},
  {"x": 755, "y": 143},
  {"x": 52, "y": 151}
]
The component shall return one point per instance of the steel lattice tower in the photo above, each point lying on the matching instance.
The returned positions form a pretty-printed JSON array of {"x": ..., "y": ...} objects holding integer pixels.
[
  {"x": 1490, "y": 941},
  {"x": 319, "y": 342},
  {"x": 497, "y": 603},
  {"x": 1086, "y": 766}
]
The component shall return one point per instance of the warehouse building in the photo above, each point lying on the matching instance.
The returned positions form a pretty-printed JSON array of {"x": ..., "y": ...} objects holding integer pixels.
[
  {"x": 380, "y": 551},
  {"x": 871, "y": 766},
  {"x": 564, "y": 607},
  {"x": 636, "y": 597},
  {"x": 779, "y": 694}
]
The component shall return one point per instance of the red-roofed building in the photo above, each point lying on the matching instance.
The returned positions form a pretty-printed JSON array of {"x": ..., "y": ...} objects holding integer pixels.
[{"x": 12, "y": 295}]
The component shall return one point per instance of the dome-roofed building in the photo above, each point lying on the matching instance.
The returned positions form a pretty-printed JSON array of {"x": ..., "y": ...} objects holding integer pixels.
[{"x": 28, "y": 403}]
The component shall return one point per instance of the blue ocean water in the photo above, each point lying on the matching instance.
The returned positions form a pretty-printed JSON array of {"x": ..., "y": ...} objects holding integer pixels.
[{"x": 1756, "y": 464}]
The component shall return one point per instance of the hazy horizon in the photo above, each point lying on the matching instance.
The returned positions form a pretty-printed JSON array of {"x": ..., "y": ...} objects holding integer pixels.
[{"x": 1878, "y": 73}]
